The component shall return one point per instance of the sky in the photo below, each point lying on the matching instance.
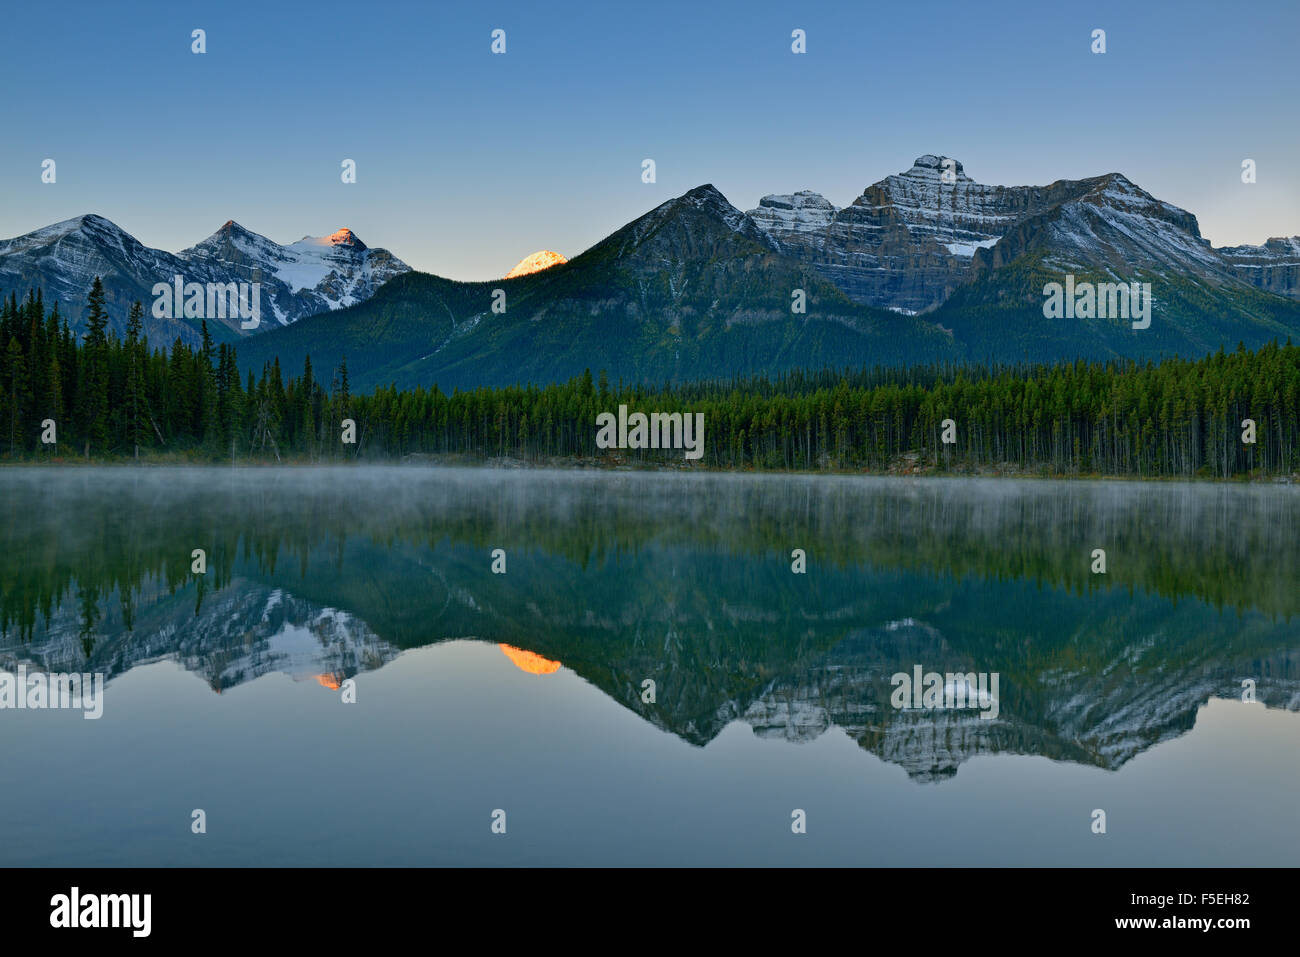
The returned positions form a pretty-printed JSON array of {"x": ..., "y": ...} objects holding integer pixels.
[{"x": 468, "y": 161}]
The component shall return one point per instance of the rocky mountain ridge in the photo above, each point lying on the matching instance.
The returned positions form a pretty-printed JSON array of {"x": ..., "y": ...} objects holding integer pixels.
[
  {"x": 300, "y": 279},
  {"x": 912, "y": 239}
]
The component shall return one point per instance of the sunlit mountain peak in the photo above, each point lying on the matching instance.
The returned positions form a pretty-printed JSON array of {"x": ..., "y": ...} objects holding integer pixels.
[{"x": 543, "y": 259}]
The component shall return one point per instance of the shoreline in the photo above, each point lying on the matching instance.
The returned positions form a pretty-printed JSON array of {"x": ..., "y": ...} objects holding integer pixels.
[{"x": 907, "y": 467}]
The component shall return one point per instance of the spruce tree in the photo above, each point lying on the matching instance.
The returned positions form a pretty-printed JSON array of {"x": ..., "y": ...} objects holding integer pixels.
[
  {"x": 135, "y": 399},
  {"x": 92, "y": 392},
  {"x": 209, "y": 426}
]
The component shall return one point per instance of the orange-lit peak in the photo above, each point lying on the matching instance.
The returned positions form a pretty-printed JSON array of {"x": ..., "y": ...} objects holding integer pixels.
[
  {"x": 538, "y": 261},
  {"x": 328, "y": 681},
  {"x": 527, "y": 661}
]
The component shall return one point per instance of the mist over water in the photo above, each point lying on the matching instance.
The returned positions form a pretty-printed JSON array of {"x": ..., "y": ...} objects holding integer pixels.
[{"x": 525, "y": 690}]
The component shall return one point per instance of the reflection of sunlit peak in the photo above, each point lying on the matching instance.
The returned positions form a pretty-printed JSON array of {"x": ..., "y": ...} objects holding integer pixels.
[
  {"x": 328, "y": 681},
  {"x": 527, "y": 661}
]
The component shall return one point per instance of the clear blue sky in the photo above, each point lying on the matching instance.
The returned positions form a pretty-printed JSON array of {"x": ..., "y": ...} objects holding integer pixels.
[{"x": 467, "y": 161}]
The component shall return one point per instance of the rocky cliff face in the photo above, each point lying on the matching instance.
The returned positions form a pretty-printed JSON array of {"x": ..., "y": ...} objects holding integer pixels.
[
  {"x": 1273, "y": 267},
  {"x": 802, "y": 217},
  {"x": 909, "y": 241}
]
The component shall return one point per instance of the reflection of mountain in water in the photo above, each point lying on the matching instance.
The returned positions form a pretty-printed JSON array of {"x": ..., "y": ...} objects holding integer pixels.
[
  {"x": 1094, "y": 698},
  {"x": 622, "y": 581},
  {"x": 242, "y": 632},
  {"x": 1104, "y": 719}
]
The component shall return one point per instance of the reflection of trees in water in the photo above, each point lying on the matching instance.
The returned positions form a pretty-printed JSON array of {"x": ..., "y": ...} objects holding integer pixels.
[
  {"x": 107, "y": 534},
  {"x": 88, "y": 597}
]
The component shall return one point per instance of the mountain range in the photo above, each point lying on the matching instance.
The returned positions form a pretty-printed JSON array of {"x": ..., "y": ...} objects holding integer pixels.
[
  {"x": 911, "y": 240},
  {"x": 311, "y": 276},
  {"x": 693, "y": 289},
  {"x": 925, "y": 265}
]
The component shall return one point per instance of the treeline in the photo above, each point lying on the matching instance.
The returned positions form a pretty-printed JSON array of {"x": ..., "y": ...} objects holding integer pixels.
[
  {"x": 112, "y": 397},
  {"x": 103, "y": 396}
]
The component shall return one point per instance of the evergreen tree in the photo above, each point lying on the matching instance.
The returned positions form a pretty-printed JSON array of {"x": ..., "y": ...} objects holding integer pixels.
[
  {"x": 208, "y": 425},
  {"x": 92, "y": 389},
  {"x": 135, "y": 393}
]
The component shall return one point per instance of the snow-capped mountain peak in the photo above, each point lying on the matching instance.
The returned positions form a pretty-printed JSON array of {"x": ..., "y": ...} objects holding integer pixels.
[{"x": 300, "y": 279}]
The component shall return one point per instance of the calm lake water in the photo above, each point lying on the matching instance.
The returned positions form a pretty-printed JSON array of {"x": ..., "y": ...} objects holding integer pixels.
[{"x": 526, "y": 692}]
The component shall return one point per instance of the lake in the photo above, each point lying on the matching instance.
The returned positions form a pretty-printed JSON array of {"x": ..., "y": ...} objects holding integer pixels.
[{"x": 413, "y": 665}]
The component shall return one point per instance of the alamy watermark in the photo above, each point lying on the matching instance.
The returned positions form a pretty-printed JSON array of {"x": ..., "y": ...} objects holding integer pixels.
[
  {"x": 75, "y": 909},
  {"x": 59, "y": 691},
  {"x": 215, "y": 300},
  {"x": 1103, "y": 300},
  {"x": 658, "y": 430},
  {"x": 949, "y": 691}
]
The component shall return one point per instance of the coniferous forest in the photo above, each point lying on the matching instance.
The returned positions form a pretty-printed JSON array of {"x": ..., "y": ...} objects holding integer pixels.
[{"x": 112, "y": 398}]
